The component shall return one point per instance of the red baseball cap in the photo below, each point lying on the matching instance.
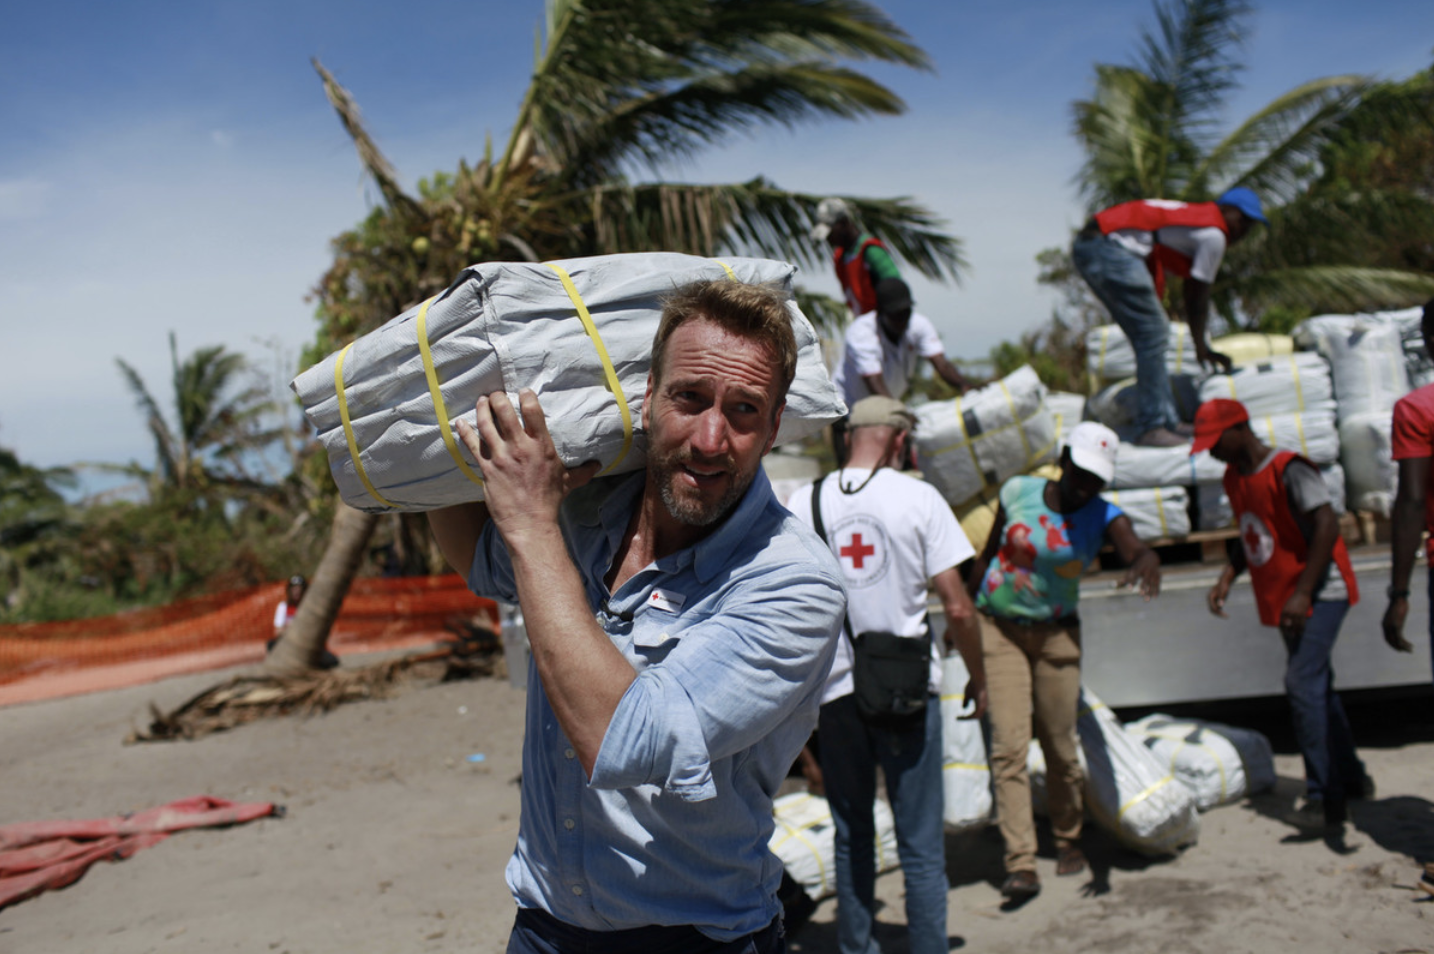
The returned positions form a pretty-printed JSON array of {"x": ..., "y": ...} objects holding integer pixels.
[{"x": 1213, "y": 419}]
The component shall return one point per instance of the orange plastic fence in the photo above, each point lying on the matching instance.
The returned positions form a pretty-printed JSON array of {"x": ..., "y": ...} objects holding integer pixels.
[{"x": 40, "y": 660}]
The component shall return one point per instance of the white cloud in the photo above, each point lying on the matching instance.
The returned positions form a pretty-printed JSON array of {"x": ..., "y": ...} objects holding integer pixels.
[{"x": 222, "y": 138}]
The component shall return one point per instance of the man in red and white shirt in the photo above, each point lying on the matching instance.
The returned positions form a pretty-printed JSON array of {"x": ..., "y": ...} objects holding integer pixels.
[
  {"x": 1303, "y": 584},
  {"x": 1123, "y": 254}
]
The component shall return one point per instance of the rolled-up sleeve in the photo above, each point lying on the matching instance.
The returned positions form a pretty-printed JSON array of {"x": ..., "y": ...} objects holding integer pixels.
[{"x": 761, "y": 655}]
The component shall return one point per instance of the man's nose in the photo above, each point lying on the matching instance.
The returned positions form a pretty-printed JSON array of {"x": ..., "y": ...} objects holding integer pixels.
[{"x": 709, "y": 438}]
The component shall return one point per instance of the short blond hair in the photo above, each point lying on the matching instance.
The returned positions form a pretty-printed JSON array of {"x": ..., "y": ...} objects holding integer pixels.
[{"x": 754, "y": 311}]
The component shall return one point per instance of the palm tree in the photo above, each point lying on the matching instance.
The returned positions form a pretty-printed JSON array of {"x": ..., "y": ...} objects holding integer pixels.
[
  {"x": 619, "y": 88},
  {"x": 1152, "y": 130},
  {"x": 34, "y": 518},
  {"x": 216, "y": 421}
]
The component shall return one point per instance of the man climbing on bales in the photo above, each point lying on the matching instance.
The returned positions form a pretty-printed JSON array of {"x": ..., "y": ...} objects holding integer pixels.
[{"x": 1123, "y": 254}]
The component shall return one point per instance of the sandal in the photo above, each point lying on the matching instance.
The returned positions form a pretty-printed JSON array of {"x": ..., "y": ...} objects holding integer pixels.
[
  {"x": 1021, "y": 886},
  {"x": 1070, "y": 861}
]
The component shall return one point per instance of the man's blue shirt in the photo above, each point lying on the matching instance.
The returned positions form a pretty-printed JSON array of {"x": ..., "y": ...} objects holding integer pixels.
[{"x": 731, "y": 639}]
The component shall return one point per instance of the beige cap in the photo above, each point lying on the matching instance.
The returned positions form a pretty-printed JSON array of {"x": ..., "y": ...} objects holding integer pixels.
[{"x": 878, "y": 410}]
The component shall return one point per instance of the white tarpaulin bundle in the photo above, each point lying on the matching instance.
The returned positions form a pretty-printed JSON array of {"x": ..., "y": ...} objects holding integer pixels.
[
  {"x": 1068, "y": 410},
  {"x": 1367, "y": 454},
  {"x": 1216, "y": 512},
  {"x": 1292, "y": 384},
  {"x": 1247, "y": 347},
  {"x": 1137, "y": 466},
  {"x": 979, "y": 439},
  {"x": 1109, "y": 356},
  {"x": 1128, "y": 790},
  {"x": 805, "y": 841},
  {"x": 1366, "y": 357},
  {"x": 965, "y": 769},
  {"x": 578, "y": 332},
  {"x": 1155, "y": 512},
  {"x": 1219, "y": 763},
  {"x": 1311, "y": 434}
]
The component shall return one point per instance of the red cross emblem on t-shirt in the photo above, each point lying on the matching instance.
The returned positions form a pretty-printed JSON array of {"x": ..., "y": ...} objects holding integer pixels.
[{"x": 857, "y": 550}]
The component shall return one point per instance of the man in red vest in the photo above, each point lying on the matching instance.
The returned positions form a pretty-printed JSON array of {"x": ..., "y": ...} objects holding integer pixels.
[
  {"x": 1303, "y": 584},
  {"x": 860, "y": 258},
  {"x": 1123, "y": 254}
]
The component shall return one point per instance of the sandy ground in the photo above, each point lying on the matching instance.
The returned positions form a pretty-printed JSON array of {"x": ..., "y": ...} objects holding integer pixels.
[{"x": 393, "y": 841}]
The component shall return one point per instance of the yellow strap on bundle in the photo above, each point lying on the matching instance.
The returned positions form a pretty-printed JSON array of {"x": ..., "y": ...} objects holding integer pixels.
[
  {"x": 1160, "y": 509},
  {"x": 1299, "y": 391},
  {"x": 609, "y": 373},
  {"x": 726, "y": 268},
  {"x": 436, "y": 394},
  {"x": 1142, "y": 796},
  {"x": 1179, "y": 345},
  {"x": 349, "y": 427}
]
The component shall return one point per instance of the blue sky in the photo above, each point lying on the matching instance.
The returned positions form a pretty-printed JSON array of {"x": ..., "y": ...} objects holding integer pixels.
[{"x": 171, "y": 166}]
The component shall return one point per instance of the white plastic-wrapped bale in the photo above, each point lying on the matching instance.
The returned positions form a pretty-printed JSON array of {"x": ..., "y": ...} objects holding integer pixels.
[
  {"x": 1219, "y": 763},
  {"x": 979, "y": 439},
  {"x": 1128, "y": 791},
  {"x": 1156, "y": 513},
  {"x": 1137, "y": 466},
  {"x": 1370, "y": 474},
  {"x": 1248, "y": 347},
  {"x": 1312, "y": 434},
  {"x": 965, "y": 770},
  {"x": 578, "y": 332},
  {"x": 1292, "y": 384},
  {"x": 1109, "y": 356},
  {"x": 1417, "y": 361},
  {"x": 1068, "y": 410},
  {"x": 1216, "y": 513},
  {"x": 1118, "y": 405},
  {"x": 1366, "y": 358},
  {"x": 805, "y": 841}
]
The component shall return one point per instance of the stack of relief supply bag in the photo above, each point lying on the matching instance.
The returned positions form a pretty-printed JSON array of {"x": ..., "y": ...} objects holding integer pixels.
[
  {"x": 1370, "y": 357},
  {"x": 577, "y": 332},
  {"x": 1151, "y": 484},
  {"x": 967, "y": 446},
  {"x": 1291, "y": 401}
]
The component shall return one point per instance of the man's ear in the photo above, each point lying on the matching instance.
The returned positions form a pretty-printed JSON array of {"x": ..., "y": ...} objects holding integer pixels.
[
  {"x": 776, "y": 426},
  {"x": 647, "y": 403}
]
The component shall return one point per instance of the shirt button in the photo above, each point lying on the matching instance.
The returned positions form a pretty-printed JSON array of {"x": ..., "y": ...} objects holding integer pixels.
[
  {"x": 569, "y": 753},
  {"x": 578, "y": 890},
  {"x": 569, "y": 824}
]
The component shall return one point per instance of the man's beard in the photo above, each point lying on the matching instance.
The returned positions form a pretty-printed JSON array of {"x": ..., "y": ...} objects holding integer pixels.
[{"x": 695, "y": 512}]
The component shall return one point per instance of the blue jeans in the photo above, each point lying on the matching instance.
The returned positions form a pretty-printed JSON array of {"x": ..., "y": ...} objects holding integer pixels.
[
  {"x": 910, "y": 759},
  {"x": 538, "y": 932},
  {"x": 1123, "y": 284},
  {"x": 1332, "y": 769}
]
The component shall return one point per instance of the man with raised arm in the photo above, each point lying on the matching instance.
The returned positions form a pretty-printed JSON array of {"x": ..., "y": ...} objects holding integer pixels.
[{"x": 681, "y": 624}]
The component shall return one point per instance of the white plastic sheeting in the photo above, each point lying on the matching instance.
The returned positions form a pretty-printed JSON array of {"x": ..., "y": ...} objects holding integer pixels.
[
  {"x": 1311, "y": 434},
  {"x": 583, "y": 347},
  {"x": 1137, "y": 466},
  {"x": 978, "y": 440},
  {"x": 1155, "y": 512},
  {"x": 1128, "y": 790},
  {"x": 1247, "y": 347},
  {"x": 805, "y": 841},
  {"x": 1366, "y": 357},
  {"x": 1219, "y": 763},
  {"x": 965, "y": 768},
  {"x": 1068, "y": 410},
  {"x": 1371, "y": 476},
  {"x": 1292, "y": 384},
  {"x": 1109, "y": 356},
  {"x": 1216, "y": 512}
]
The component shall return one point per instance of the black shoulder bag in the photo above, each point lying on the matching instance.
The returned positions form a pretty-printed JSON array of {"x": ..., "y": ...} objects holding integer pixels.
[{"x": 889, "y": 672}]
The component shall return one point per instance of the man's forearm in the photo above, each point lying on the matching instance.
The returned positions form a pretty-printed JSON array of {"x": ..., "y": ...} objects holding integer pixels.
[
  {"x": 583, "y": 673},
  {"x": 1405, "y": 528},
  {"x": 1321, "y": 551}
]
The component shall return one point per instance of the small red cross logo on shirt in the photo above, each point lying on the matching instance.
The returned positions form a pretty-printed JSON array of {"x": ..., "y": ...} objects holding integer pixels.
[
  {"x": 1252, "y": 541},
  {"x": 857, "y": 550}
]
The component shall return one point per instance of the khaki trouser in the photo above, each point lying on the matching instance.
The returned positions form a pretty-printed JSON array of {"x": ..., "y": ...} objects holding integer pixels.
[{"x": 1033, "y": 671}]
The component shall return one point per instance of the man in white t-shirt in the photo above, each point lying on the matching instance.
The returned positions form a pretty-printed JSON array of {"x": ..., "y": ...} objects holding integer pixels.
[
  {"x": 882, "y": 347},
  {"x": 892, "y": 535},
  {"x": 1124, "y": 252}
]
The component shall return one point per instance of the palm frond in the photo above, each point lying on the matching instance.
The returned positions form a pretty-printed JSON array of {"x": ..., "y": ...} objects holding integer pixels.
[
  {"x": 374, "y": 161},
  {"x": 1191, "y": 61},
  {"x": 1337, "y": 288},
  {"x": 1274, "y": 150}
]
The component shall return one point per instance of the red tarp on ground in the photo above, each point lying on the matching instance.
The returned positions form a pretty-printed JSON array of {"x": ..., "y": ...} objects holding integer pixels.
[{"x": 38, "y": 856}]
